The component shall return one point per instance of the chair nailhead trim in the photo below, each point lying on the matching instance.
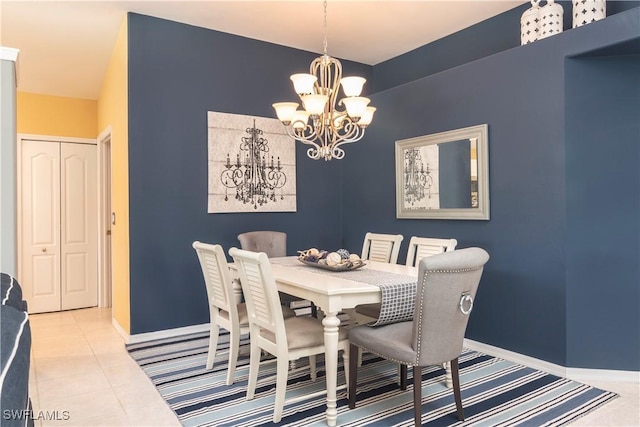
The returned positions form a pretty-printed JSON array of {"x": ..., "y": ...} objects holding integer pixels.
[
  {"x": 426, "y": 273},
  {"x": 464, "y": 270}
]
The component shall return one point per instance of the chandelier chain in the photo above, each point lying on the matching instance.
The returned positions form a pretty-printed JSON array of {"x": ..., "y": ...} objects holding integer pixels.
[{"x": 324, "y": 24}]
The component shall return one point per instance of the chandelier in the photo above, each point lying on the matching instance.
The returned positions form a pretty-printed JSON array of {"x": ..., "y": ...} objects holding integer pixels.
[
  {"x": 320, "y": 123},
  {"x": 417, "y": 181},
  {"x": 254, "y": 178}
]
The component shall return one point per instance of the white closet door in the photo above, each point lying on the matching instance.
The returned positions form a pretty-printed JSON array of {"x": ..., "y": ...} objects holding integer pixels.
[
  {"x": 59, "y": 225},
  {"x": 40, "y": 175},
  {"x": 78, "y": 225}
]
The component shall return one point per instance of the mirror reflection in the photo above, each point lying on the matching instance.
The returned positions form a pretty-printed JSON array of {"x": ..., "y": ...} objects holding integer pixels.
[{"x": 442, "y": 175}]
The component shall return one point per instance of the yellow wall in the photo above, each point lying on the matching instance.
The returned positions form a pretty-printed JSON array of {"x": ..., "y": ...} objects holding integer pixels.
[
  {"x": 113, "y": 113},
  {"x": 56, "y": 116}
]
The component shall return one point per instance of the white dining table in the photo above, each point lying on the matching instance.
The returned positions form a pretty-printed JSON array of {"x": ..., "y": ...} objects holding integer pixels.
[{"x": 333, "y": 292}]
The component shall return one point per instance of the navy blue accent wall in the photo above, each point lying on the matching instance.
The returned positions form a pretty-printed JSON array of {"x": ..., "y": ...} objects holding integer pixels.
[
  {"x": 496, "y": 34},
  {"x": 544, "y": 293},
  {"x": 603, "y": 211},
  {"x": 524, "y": 298},
  {"x": 176, "y": 74}
]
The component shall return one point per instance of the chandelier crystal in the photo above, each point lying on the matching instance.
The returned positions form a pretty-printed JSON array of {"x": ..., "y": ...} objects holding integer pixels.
[{"x": 320, "y": 123}]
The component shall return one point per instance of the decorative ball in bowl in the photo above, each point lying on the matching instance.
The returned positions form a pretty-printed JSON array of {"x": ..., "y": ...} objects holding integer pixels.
[{"x": 340, "y": 260}]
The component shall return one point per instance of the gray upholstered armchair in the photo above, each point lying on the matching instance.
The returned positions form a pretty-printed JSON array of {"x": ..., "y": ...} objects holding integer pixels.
[
  {"x": 274, "y": 244},
  {"x": 446, "y": 287}
]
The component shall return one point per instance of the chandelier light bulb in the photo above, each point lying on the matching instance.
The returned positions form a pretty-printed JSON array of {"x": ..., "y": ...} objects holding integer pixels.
[
  {"x": 304, "y": 83},
  {"x": 300, "y": 119},
  {"x": 367, "y": 117},
  {"x": 285, "y": 111},
  {"x": 356, "y": 106},
  {"x": 352, "y": 86},
  {"x": 314, "y": 104}
]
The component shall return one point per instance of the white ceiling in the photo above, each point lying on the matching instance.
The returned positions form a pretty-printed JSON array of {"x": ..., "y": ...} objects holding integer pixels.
[{"x": 65, "y": 45}]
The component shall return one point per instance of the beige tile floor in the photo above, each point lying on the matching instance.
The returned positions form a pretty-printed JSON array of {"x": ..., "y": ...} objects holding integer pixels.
[{"x": 79, "y": 365}]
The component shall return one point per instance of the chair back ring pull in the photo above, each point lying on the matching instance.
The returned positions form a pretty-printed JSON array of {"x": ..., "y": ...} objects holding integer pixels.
[{"x": 466, "y": 299}]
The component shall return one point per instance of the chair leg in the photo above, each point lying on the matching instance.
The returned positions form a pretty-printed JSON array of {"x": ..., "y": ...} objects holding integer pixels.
[
  {"x": 234, "y": 349},
  {"x": 403, "y": 377},
  {"x": 312, "y": 367},
  {"x": 213, "y": 342},
  {"x": 447, "y": 374},
  {"x": 353, "y": 374},
  {"x": 254, "y": 366},
  {"x": 345, "y": 363},
  {"x": 455, "y": 374},
  {"x": 281, "y": 387},
  {"x": 417, "y": 395}
]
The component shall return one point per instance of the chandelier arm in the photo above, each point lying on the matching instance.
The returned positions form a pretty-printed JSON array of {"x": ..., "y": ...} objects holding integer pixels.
[
  {"x": 303, "y": 139},
  {"x": 349, "y": 141},
  {"x": 355, "y": 133},
  {"x": 313, "y": 153}
]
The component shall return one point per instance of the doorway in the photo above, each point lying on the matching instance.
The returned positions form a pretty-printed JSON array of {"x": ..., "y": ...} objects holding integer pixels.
[{"x": 105, "y": 283}]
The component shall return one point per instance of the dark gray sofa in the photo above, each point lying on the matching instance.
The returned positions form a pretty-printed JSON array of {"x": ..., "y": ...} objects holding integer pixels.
[{"x": 15, "y": 349}]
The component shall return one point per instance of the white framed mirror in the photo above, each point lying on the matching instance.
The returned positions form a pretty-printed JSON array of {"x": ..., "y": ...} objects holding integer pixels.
[{"x": 444, "y": 175}]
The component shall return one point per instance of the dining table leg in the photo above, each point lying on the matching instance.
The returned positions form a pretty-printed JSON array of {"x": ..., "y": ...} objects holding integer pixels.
[{"x": 331, "y": 323}]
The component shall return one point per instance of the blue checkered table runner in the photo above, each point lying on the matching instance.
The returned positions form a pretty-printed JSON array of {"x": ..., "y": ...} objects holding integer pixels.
[{"x": 398, "y": 290}]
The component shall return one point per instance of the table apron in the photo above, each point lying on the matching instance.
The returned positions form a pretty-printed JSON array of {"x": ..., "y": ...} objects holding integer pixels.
[{"x": 331, "y": 303}]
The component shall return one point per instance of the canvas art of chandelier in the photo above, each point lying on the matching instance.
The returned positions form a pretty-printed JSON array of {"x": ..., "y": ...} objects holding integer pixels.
[{"x": 320, "y": 123}]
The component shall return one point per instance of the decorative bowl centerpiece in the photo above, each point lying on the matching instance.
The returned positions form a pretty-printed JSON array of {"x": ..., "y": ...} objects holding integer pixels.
[{"x": 340, "y": 260}]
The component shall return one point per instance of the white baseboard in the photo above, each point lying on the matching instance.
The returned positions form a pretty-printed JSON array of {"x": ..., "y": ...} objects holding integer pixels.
[
  {"x": 120, "y": 329},
  {"x": 609, "y": 375},
  {"x": 522, "y": 359},
  {"x": 577, "y": 374},
  {"x": 167, "y": 333}
]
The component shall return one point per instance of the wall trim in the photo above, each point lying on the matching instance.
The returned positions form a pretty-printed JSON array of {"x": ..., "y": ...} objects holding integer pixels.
[
  {"x": 120, "y": 330},
  {"x": 105, "y": 287},
  {"x": 11, "y": 54},
  {"x": 168, "y": 333},
  {"x": 576, "y": 374},
  {"x": 50, "y": 138},
  {"x": 586, "y": 375}
]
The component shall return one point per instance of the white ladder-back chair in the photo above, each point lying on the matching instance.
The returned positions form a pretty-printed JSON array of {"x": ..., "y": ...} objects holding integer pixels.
[
  {"x": 420, "y": 247},
  {"x": 286, "y": 339},
  {"x": 381, "y": 247},
  {"x": 223, "y": 309}
]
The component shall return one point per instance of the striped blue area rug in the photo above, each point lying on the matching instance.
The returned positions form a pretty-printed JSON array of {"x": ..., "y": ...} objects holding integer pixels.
[{"x": 495, "y": 392}]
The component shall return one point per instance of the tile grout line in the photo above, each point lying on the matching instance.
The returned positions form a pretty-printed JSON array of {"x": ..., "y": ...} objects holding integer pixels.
[{"x": 107, "y": 375}]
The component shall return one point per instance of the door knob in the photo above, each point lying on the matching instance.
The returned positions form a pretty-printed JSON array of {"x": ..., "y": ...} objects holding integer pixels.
[{"x": 44, "y": 249}]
